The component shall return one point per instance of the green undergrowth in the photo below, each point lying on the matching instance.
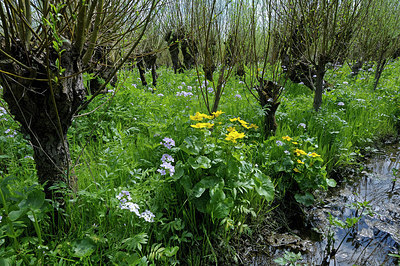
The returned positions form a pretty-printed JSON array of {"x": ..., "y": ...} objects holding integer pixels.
[{"x": 161, "y": 185}]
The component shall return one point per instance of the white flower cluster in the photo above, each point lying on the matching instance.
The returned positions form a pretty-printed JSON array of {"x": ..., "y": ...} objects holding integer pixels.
[{"x": 125, "y": 204}]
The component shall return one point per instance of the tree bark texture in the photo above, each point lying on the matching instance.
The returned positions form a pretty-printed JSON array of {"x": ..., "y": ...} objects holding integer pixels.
[
  {"x": 268, "y": 96},
  {"x": 43, "y": 115}
]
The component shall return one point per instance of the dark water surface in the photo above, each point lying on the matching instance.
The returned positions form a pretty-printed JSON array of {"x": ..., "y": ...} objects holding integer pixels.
[{"x": 372, "y": 240}]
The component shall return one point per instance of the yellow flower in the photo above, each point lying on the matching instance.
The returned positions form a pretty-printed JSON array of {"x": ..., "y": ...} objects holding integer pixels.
[
  {"x": 202, "y": 125},
  {"x": 243, "y": 123},
  {"x": 199, "y": 116},
  {"x": 253, "y": 126},
  {"x": 299, "y": 152},
  {"x": 314, "y": 155},
  {"x": 287, "y": 138},
  {"x": 217, "y": 113},
  {"x": 295, "y": 143},
  {"x": 296, "y": 170},
  {"x": 233, "y": 135},
  {"x": 230, "y": 129},
  {"x": 234, "y": 119},
  {"x": 300, "y": 161}
]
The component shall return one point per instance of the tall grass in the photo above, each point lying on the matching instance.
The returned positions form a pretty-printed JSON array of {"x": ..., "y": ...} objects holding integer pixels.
[{"x": 117, "y": 148}]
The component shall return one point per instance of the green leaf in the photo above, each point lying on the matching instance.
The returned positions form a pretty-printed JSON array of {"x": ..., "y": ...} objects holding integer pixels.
[
  {"x": 331, "y": 182},
  {"x": 306, "y": 199},
  {"x": 171, "y": 251},
  {"x": 336, "y": 222},
  {"x": 200, "y": 162},
  {"x": 15, "y": 215},
  {"x": 191, "y": 146},
  {"x": 219, "y": 205},
  {"x": 205, "y": 183},
  {"x": 264, "y": 186},
  {"x": 136, "y": 242},
  {"x": 35, "y": 199},
  {"x": 83, "y": 248}
]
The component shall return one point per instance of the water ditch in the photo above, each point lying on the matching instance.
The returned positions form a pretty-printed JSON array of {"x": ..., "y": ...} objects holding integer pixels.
[{"x": 370, "y": 241}]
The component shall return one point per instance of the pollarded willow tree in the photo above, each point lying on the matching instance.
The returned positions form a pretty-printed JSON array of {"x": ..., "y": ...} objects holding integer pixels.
[
  {"x": 217, "y": 27},
  {"x": 266, "y": 77},
  {"x": 45, "y": 46},
  {"x": 379, "y": 39},
  {"x": 321, "y": 33}
]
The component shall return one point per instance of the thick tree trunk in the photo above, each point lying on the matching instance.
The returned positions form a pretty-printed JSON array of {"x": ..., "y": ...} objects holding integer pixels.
[
  {"x": 45, "y": 111},
  {"x": 319, "y": 86},
  {"x": 150, "y": 60},
  {"x": 270, "y": 124},
  {"x": 141, "y": 68},
  {"x": 189, "y": 51},
  {"x": 268, "y": 93}
]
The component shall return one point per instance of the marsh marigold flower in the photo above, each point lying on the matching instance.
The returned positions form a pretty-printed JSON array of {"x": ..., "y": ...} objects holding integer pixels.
[
  {"x": 300, "y": 161},
  {"x": 202, "y": 125},
  {"x": 314, "y": 155},
  {"x": 217, "y": 113},
  {"x": 230, "y": 129},
  {"x": 234, "y": 135},
  {"x": 199, "y": 116},
  {"x": 287, "y": 138},
  {"x": 299, "y": 152}
]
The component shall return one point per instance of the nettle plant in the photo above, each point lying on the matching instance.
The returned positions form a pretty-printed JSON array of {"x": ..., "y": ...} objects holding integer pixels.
[
  {"x": 213, "y": 167},
  {"x": 296, "y": 162}
]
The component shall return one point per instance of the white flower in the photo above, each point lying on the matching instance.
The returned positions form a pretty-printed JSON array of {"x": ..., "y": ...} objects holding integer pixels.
[
  {"x": 340, "y": 104},
  {"x": 1, "y": 217},
  {"x": 345, "y": 82},
  {"x": 148, "y": 216},
  {"x": 132, "y": 207},
  {"x": 302, "y": 125},
  {"x": 287, "y": 152},
  {"x": 279, "y": 143},
  {"x": 2, "y": 111}
]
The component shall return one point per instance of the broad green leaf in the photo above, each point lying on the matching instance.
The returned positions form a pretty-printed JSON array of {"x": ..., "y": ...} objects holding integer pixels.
[
  {"x": 15, "y": 215},
  {"x": 191, "y": 145},
  {"x": 264, "y": 186},
  {"x": 306, "y": 199},
  {"x": 171, "y": 251},
  {"x": 205, "y": 183},
  {"x": 83, "y": 248},
  {"x": 200, "y": 162},
  {"x": 331, "y": 182},
  {"x": 35, "y": 199}
]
